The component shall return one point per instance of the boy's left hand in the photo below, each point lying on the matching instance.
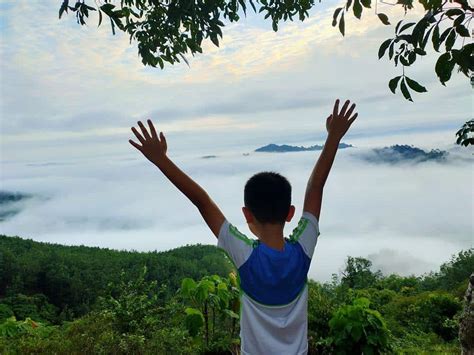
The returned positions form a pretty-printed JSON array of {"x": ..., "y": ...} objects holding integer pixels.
[{"x": 153, "y": 148}]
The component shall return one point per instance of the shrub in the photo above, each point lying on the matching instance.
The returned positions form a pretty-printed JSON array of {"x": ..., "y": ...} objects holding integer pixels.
[{"x": 356, "y": 329}]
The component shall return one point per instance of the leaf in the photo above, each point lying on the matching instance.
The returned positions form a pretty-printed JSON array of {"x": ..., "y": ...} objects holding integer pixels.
[
  {"x": 398, "y": 26},
  {"x": 108, "y": 9},
  {"x": 182, "y": 57},
  {"x": 194, "y": 321},
  {"x": 214, "y": 39},
  {"x": 404, "y": 61},
  {"x": 113, "y": 26},
  {"x": 462, "y": 30},
  {"x": 436, "y": 39},
  {"x": 406, "y": 26},
  {"x": 357, "y": 8},
  {"x": 100, "y": 18},
  {"x": 366, "y": 3},
  {"x": 342, "y": 24},
  {"x": 253, "y": 6},
  {"x": 334, "y": 17},
  {"x": 444, "y": 67},
  {"x": 188, "y": 285},
  {"x": 231, "y": 314},
  {"x": 420, "y": 51},
  {"x": 348, "y": 4},
  {"x": 390, "y": 50},
  {"x": 392, "y": 84},
  {"x": 63, "y": 7},
  {"x": 427, "y": 36},
  {"x": 384, "y": 19},
  {"x": 275, "y": 26},
  {"x": 453, "y": 12},
  {"x": 414, "y": 85},
  {"x": 445, "y": 34},
  {"x": 405, "y": 91},
  {"x": 383, "y": 47},
  {"x": 450, "y": 40},
  {"x": 459, "y": 20}
]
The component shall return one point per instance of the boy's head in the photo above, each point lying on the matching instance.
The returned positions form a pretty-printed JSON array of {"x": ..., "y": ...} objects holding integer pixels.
[{"x": 267, "y": 196}]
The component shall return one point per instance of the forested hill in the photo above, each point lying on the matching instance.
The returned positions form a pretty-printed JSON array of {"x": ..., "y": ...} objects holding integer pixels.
[
  {"x": 58, "y": 299},
  {"x": 72, "y": 277}
]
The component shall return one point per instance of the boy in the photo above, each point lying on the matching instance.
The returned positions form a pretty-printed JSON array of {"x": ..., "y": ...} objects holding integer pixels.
[{"x": 273, "y": 269}]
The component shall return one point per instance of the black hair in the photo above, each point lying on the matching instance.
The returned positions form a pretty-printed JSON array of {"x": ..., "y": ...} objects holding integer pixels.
[{"x": 268, "y": 196}]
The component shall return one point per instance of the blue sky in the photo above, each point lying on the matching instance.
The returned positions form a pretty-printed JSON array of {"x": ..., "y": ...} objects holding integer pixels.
[{"x": 69, "y": 95}]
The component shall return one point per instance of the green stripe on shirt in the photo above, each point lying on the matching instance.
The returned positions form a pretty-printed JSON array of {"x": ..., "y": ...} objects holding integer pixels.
[
  {"x": 234, "y": 231},
  {"x": 299, "y": 229}
]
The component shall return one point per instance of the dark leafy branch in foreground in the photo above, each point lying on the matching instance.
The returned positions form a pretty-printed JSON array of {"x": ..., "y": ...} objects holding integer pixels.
[
  {"x": 446, "y": 23},
  {"x": 167, "y": 30},
  {"x": 466, "y": 134}
]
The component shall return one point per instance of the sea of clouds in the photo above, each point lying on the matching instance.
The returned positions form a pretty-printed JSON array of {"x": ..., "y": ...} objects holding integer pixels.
[{"x": 407, "y": 218}]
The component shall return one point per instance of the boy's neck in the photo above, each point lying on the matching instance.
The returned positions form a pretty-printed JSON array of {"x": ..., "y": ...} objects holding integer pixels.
[{"x": 271, "y": 235}]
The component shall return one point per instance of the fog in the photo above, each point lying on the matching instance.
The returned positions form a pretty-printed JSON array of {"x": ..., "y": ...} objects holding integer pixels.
[{"x": 407, "y": 218}]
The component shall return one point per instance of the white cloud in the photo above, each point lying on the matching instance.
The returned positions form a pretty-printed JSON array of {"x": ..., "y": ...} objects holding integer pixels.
[{"x": 123, "y": 203}]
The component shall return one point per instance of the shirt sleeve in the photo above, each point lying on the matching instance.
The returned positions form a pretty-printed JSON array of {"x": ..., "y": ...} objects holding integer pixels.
[
  {"x": 237, "y": 245},
  {"x": 306, "y": 233}
]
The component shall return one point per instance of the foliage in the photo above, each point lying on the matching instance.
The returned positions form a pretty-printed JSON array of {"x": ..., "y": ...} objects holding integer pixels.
[
  {"x": 5, "y": 312},
  {"x": 55, "y": 283},
  {"x": 214, "y": 303},
  {"x": 452, "y": 273},
  {"x": 357, "y": 273},
  {"x": 357, "y": 329},
  {"x": 137, "y": 313},
  {"x": 167, "y": 30},
  {"x": 466, "y": 134}
]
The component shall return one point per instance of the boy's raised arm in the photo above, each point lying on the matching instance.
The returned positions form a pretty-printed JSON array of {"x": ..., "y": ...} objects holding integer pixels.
[
  {"x": 337, "y": 125},
  {"x": 154, "y": 149}
]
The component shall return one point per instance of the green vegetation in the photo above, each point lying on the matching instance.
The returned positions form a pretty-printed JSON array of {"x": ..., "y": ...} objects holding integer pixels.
[
  {"x": 76, "y": 300},
  {"x": 167, "y": 31}
]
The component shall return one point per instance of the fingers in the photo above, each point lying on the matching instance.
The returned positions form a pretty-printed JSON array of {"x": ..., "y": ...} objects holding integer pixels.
[
  {"x": 352, "y": 119},
  {"x": 163, "y": 141},
  {"x": 138, "y": 146},
  {"x": 344, "y": 108},
  {"x": 144, "y": 131},
  {"x": 139, "y": 137},
  {"x": 152, "y": 129},
  {"x": 351, "y": 109},
  {"x": 336, "y": 108}
]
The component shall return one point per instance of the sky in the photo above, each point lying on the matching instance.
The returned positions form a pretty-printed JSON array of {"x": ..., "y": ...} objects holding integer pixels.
[{"x": 69, "y": 95}]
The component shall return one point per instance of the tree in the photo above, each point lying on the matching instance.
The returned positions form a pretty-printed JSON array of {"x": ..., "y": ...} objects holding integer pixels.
[
  {"x": 358, "y": 274},
  {"x": 168, "y": 30}
]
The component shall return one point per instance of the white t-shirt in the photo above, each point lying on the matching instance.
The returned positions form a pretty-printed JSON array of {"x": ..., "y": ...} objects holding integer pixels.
[{"x": 273, "y": 288}]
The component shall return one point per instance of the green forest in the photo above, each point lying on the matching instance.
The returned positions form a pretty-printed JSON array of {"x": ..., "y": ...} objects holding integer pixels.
[{"x": 58, "y": 299}]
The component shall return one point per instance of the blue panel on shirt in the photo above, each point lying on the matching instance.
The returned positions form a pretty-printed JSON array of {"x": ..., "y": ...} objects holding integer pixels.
[{"x": 274, "y": 277}]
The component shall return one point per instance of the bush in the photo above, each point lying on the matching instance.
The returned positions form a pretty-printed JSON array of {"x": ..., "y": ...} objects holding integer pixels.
[
  {"x": 357, "y": 329},
  {"x": 5, "y": 312}
]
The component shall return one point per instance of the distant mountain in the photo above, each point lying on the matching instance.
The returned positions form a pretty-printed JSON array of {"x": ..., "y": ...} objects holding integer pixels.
[
  {"x": 9, "y": 203},
  {"x": 404, "y": 153},
  {"x": 209, "y": 156},
  {"x": 275, "y": 148}
]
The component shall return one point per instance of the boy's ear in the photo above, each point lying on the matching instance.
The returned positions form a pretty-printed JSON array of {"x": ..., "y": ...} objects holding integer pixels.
[
  {"x": 248, "y": 215},
  {"x": 291, "y": 213}
]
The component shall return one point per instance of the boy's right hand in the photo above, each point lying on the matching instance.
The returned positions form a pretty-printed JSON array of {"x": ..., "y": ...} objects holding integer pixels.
[
  {"x": 153, "y": 148},
  {"x": 339, "y": 122}
]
